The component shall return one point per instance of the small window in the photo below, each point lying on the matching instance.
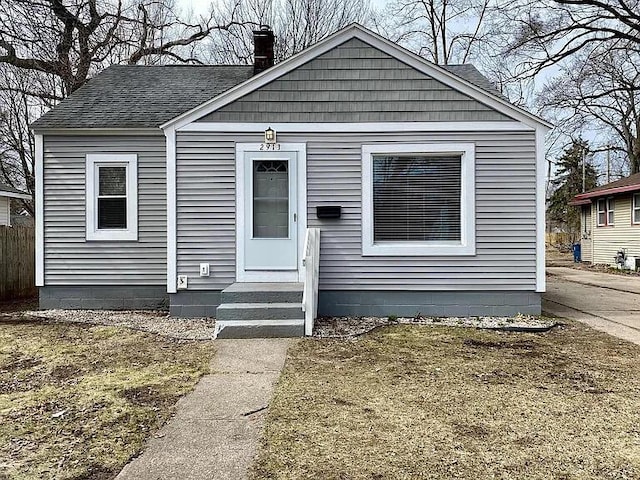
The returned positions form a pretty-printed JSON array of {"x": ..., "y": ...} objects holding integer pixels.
[
  {"x": 112, "y": 197},
  {"x": 418, "y": 199},
  {"x": 610, "y": 211},
  {"x": 606, "y": 212},
  {"x": 636, "y": 208},
  {"x": 602, "y": 212}
]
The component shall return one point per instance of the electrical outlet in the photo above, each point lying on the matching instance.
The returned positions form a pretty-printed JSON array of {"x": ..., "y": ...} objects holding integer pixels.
[
  {"x": 204, "y": 269},
  {"x": 182, "y": 282}
]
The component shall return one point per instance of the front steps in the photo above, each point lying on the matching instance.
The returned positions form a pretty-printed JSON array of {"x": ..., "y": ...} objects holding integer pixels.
[{"x": 260, "y": 310}]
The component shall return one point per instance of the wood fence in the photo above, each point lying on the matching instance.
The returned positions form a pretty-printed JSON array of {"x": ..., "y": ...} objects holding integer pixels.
[
  {"x": 561, "y": 238},
  {"x": 17, "y": 262}
]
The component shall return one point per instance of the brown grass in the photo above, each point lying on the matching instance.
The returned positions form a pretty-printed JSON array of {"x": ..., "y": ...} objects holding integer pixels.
[
  {"x": 78, "y": 401},
  {"x": 440, "y": 403}
]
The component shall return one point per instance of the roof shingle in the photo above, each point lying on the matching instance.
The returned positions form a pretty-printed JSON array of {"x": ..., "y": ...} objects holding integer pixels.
[{"x": 137, "y": 96}]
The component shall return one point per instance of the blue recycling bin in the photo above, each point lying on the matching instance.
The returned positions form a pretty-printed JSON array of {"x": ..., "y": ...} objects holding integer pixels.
[{"x": 577, "y": 252}]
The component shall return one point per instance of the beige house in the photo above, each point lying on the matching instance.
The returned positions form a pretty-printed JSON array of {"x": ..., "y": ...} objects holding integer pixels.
[
  {"x": 6, "y": 194},
  {"x": 610, "y": 221}
]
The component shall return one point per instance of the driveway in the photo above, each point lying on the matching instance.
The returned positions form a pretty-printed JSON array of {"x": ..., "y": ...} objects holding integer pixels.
[{"x": 607, "y": 302}]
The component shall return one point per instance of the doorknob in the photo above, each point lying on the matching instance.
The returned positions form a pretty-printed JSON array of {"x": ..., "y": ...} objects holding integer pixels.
[{"x": 295, "y": 217}]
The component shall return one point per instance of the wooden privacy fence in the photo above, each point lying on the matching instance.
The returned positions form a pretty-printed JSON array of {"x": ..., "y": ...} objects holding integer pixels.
[
  {"x": 561, "y": 238},
  {"x": 17, "y": 262}
]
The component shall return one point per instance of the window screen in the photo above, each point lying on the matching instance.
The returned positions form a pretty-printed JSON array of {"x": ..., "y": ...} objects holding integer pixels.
[
  {"x": 416, "y": 198},
  {"x": 270, "y": 199},
  {"x": 112, "y": 197}
]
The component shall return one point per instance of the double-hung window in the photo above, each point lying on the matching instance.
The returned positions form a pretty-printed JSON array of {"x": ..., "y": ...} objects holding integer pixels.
[
  {"x": 636, "y": 208},
  {"x": 112, "y": 197},
  {"x": 606, "y": 212},
  {"x": 418, "y": 199}
]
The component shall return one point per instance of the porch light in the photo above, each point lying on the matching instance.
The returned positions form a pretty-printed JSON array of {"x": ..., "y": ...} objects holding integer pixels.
[{"x": 269, "y": 135}]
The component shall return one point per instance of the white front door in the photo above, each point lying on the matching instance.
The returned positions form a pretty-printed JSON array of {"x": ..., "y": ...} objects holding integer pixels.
[{"x": 268, "y": 214}]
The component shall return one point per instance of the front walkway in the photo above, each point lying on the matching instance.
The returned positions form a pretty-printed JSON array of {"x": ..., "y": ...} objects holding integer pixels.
[
  {"x": 606, "y": 302},
  {"x": 215, "y": 432}
]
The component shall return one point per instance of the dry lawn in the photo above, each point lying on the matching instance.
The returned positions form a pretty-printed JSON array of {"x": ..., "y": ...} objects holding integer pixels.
[
  {"x": 78, "y": 401},
  {"x": 441, "y": 403}
]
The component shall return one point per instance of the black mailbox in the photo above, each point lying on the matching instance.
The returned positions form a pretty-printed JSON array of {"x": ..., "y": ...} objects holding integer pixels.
[{"x": 328, "y": 211}]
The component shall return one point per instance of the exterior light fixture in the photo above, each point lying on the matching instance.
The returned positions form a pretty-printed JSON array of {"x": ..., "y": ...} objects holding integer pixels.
[{"x": 269, "y": 135}]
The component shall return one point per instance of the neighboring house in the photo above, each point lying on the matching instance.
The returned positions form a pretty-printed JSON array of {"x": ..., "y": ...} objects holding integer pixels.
[
  {"x": 610, "y": 220},
  {"x": 6, "y": 194},
  {"x": 196, "y": 186}
]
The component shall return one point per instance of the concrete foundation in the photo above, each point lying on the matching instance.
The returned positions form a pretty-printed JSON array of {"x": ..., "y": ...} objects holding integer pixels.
[
  {"x": 105, "y": 297},
  {"x": 194, "y": 303},
  {"x": 432, "y": 304}
]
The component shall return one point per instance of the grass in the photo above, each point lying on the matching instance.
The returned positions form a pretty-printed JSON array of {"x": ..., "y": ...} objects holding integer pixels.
[
  {"x": 438, "y": 403},
  {"x": 78, "y": 401}
]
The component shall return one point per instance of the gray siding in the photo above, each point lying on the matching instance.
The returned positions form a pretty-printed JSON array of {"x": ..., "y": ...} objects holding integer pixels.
[
  {"x": 5, "y": 214},
  {"x": 354, "y": 83},
  {"x": 505, "y": 213},
  {"x": 69, "y": 258}
]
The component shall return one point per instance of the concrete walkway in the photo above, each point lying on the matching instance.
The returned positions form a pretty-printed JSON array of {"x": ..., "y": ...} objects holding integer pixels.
[
  {"x": 597, "y": 300},
  {"x": 622, "y": 283},
  {"x": 215, "y": 432}
]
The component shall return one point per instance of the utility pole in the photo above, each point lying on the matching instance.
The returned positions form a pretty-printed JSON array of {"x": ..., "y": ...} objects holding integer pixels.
[
  {"x": 608, "y": 163},
  {"x": 584, "y": 169}
]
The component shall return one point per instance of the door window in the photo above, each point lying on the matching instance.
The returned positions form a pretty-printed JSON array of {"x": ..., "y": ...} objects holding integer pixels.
[{"x": 270, "y": 199}]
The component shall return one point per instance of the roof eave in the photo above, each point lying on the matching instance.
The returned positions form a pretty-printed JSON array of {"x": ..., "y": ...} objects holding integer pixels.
[
  {"x": 20, "y": 196},
  {"x": 97, "y": 131},
  {"x": 607, "y": 192}
]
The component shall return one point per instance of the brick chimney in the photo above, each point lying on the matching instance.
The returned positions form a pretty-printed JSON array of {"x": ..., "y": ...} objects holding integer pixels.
[{"x": 263, "y": 40}]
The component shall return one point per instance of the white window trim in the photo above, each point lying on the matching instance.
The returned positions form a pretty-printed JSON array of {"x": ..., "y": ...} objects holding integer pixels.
[
  {"x": 93, "y": 162},
  {"x": 635, "y": 207},
  {"x": 598, "y": 212},
  {"x": 467, "y": 245}
]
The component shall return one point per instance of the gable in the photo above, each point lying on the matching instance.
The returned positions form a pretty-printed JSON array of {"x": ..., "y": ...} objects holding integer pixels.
[{"x": 355, "y": 82}]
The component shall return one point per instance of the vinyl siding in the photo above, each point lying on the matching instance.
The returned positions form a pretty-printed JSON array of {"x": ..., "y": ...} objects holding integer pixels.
[
  {"x": 505, "y": 213},
  {"x": 69, "y": 258},
  {"x": 4, "y": 210},
  {"x": 623, "y": 234},
  {"x": 354, "y": 82}
]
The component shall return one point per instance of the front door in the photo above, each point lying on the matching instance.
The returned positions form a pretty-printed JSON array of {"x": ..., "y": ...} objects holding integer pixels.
[{"x": 270, "y": 215}]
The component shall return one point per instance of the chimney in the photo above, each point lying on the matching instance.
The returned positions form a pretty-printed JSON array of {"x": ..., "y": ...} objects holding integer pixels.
[{"x": 263, "y": 40}]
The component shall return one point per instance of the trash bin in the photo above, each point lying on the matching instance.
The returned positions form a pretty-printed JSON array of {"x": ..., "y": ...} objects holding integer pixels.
[{"x": 577, "y": 252}]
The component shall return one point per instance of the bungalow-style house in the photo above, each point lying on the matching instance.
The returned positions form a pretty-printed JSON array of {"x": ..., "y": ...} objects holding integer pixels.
[
  {"x": 610, "y": 222},
  {"x": 6, "y": 194},
  {"x": 208, "y": 189}
]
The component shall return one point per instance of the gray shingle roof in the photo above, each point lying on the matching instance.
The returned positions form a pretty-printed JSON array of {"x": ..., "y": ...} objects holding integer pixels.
[
  {"x": 472, "y": 75},
  {"x": 7, "y": 189},
  {"x": 135, "y": 96}
]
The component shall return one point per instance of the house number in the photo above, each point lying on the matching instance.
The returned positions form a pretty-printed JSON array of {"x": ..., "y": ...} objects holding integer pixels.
[{"x": 269, "y": 147}]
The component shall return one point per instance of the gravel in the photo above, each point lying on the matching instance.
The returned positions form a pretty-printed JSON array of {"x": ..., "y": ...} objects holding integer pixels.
[
  {"x": 350, "y": 327},
  {"x": 158, "y": 322},
  {"x": 161, "y": 323}
]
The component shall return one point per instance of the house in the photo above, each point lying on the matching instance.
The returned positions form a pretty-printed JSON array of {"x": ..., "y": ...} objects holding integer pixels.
[
  {"x": 6, "y": 194},
  {"x": 204, "y": 187},
  {"x": 610, "y": 221}
]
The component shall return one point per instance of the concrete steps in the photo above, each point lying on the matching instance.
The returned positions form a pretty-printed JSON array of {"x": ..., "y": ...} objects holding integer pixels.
[{"x": 251, "y": 310}]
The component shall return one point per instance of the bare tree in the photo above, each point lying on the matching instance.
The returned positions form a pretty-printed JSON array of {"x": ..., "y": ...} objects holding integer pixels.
[
  {"x": 49, "y": 48},
  {"x": 297, "y": 24},
  {"x": 599, "y": 93},
  {"x": 443, "y": 31},
  {"x": 73, "y": 39},
  {"x": 547, "y": 32}
]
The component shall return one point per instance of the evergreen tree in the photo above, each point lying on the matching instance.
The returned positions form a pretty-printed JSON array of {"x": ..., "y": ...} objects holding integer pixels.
[{"x": 568, "y": 183}]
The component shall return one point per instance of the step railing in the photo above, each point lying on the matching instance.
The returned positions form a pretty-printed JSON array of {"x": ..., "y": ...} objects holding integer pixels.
[{"x": 311, "y": 264}]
